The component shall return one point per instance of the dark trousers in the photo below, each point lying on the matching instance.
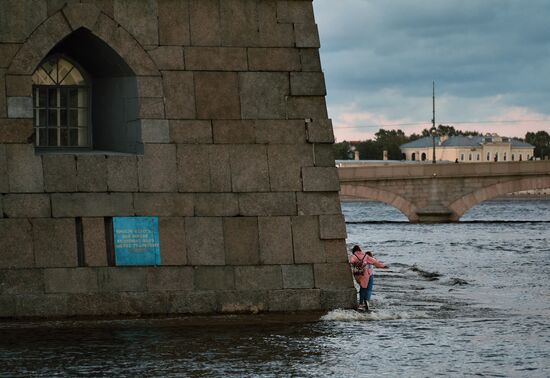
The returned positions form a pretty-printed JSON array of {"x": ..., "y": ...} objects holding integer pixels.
[{"x": 362, "y": 295}]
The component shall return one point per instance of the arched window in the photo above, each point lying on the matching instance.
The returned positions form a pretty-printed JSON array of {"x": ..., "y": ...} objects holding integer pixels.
[
  {"x": 488, "y": 156},
  {"x": 478, "y": 157},
  {"x": 61, "y": 104},
  {"x": 504, "y": 156},
  {"x": 413, "y": 156},
  {"x": 513, "y": 157},
  {"x": 470, "y": 157},
  {"x": 461, "y": 157},
  {"x": 423, "y": 156},
  {"x": 85, "y": 97}
]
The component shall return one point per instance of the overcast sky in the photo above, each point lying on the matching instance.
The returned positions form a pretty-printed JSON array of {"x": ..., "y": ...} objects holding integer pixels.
[{"x": 490, "y": 60}]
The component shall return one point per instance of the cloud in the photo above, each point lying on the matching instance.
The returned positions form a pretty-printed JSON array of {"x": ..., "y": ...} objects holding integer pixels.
[
  {"x": 487, "y": 58},
  {"x": 353, "y": 121}
]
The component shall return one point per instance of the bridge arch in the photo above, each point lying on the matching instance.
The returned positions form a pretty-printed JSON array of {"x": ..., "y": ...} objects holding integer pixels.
[
  {"x": 389, "y": 198},
  {"x": 463, "y": 204}
]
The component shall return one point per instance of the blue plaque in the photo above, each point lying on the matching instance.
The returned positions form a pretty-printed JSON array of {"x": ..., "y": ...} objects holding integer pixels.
[{"x": 136, "y": 240}]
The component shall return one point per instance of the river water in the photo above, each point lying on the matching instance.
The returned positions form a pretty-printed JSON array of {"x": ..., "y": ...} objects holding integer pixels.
[{"x": 462, "y": 299}]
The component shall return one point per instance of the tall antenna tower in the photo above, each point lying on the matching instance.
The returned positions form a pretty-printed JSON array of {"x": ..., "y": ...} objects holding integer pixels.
[
  {"x": 433, "y": 98},
  {"x": 433, "y": 130}
]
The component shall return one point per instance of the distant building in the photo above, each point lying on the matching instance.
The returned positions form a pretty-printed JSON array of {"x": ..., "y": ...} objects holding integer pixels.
[{"x": 468, "y": 149}]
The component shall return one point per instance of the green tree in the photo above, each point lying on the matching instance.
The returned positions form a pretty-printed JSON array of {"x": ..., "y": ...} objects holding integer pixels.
[
  {"x": 415, "y": 136},
  {"x": 449, "y": 131},
  {"x": 370, "y": 150},
  {"x": 541, "y": 141},
  {"x": 390, "y": 140},
  {"x": 342, "y": 151}
]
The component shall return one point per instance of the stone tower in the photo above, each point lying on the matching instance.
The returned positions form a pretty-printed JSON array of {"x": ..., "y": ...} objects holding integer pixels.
[{"x": 166, "y": 157}]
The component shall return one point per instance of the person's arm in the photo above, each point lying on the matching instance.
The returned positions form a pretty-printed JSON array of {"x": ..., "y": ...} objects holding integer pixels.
[{"x": 376, "y": 263}]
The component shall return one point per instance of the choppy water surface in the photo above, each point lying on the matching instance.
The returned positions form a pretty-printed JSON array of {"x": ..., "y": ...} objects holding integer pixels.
[{"x": 471, "y": 298}]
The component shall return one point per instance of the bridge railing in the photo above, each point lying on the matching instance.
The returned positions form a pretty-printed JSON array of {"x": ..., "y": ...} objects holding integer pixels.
[{"x": 408, "y": 171}]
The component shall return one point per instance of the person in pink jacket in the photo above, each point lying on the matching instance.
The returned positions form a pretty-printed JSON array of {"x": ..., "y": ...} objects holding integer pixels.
[{"x": 362, "y": 272}]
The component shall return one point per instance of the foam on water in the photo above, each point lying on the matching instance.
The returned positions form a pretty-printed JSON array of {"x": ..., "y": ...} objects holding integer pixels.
[
  {"x": 491, "y": 326},
  {"x": 385, "y": 314}
]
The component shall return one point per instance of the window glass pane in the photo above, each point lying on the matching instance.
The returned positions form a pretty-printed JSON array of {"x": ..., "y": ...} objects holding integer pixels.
[
  {"x": 64, "y": 137},
  {"x": 73, "y": 97},
  {"x": 42, "y": 117},
  {"x": 82, "y": 98},
  {"x": 73, "y": 117},
  {"x": 73, "y": 137},
  {"x": 63, "y": 100},
  {"x": 52, "y": 118},
  {"x": 82, "y": 137},
  {"x": 63, "y": 117},
  {"x": 52, "y": 137},
  {"x": 50, "y": 67},
  {"x": 36, "y": 76},
  {"x": 63, "y": 68},
  {"x": 58, "y": 72},
  {"x": 52, "y": 97},
  {"x": 42, "y": 137},
  {"x": 61, "y": 113},
  {"x": 41, "y": 77},
  {"x": 42, "y": 97},
  {"x": 82, "y": 117},
  {"x": 73, "y": 78}
]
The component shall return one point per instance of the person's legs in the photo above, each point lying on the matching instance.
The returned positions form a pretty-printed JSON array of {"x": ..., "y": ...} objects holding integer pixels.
[
  {"x": 369, "y": 287},
  {"x": 362, "y": 295},
  {"x": 363, "y": 303}
]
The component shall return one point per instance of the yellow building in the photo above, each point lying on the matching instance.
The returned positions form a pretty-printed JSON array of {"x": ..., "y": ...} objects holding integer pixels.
[{"x": 468, "y": 149}]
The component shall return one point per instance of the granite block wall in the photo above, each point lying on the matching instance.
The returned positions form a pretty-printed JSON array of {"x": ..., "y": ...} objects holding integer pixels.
[{"x": 234, "y": 159}]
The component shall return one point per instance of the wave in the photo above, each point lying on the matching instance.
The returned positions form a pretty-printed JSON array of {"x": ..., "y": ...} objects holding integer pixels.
[
  {"x": 431, "y": 276},
  {"x": 376, "y": 315},
  {"x": 400, "y": 265},
  {"x": 456, "y": 281},
  {"x": 505, "y": 221},
  {"x": 376, "y": 222}
]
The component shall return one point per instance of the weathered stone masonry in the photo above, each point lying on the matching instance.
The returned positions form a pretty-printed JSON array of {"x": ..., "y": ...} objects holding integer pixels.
[{"x": 230, "y": 147}]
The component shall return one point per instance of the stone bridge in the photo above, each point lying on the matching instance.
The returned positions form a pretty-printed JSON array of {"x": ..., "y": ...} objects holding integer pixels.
[{"x": 441, "y": 192}]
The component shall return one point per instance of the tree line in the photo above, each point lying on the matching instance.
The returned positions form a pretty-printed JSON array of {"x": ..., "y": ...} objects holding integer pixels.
[{"x": 390, "y": 140}]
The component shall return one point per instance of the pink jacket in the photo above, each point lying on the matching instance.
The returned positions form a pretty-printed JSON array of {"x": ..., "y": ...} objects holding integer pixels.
[{"x": 363, "y": 279}]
